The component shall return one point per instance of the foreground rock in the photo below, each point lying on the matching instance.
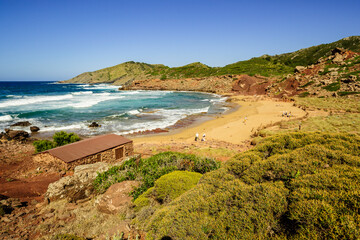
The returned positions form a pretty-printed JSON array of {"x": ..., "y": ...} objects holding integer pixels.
[
  {"x": 15, "y": 135},
  {"x": 78, "y": 186},
  {"x": 21, "y": 124},
  {"x": 117, "y": 198}
]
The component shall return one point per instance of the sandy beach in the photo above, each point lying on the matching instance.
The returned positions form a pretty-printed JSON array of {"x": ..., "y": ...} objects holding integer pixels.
[{"x": 232, "y": 129}]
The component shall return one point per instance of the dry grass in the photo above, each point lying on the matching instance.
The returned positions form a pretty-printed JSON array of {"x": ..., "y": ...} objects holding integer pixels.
[
  {"x": 348, "y": 104},
  {"x": 340, "y": 123}
]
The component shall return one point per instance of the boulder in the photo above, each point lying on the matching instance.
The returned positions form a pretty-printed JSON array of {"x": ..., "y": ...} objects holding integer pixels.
[
  {"x": 77, "y": 186},
  {"x": 34, "y": 129},
  {"x": 94, "y": 124},
  {"x": 338, "y": 58},
  {"x": 116, "y": 199},
  {"x": 21, "y": 124},
  {"x": 17, "y": 135},
  {"x": 299, "y": 68}
]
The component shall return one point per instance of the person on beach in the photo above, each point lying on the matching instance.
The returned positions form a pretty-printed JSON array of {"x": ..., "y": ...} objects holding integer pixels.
[
  {"x": 203, "y": 138},
  {"x": 196, "y": 137}
]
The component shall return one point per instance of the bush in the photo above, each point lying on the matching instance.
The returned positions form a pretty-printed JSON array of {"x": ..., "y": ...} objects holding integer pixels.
[
  {"x": 43, "y": 145},
  {"x": 290, "y": 186},
  {"x": 59, "y": 139},
  {"x": 333, "y": 86},
  {"x": 63, "y": 138},
  {"x": 172, "y": 185}
]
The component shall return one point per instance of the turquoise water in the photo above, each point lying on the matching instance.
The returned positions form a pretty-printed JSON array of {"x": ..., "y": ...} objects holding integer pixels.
[{"x": 72, "y": 107}]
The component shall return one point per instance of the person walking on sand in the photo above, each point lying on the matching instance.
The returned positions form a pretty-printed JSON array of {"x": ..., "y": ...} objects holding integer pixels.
[
  {"x": 196, "y": 137},
  {"x": 203, "y": 138}
]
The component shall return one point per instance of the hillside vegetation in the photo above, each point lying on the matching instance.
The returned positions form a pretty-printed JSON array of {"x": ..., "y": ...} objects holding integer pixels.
[
  {"x": 293, "y": 186},
  {"x": 150, "y": 169},
  {"x": 266, "y": 65}
]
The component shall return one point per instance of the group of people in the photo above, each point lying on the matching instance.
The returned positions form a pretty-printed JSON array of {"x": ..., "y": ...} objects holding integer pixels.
[
  {"x": 286, "y": 114},
  {"x": 197, "y": 137}
]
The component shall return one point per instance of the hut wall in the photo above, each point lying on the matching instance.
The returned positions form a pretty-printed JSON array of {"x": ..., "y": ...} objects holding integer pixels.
[{"x": 50, "y": 162}]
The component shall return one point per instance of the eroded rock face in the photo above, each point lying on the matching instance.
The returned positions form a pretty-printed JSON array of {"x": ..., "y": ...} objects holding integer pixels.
[
  {"x": 77, "y": 186},
  {"x": 116, "y": 199}
]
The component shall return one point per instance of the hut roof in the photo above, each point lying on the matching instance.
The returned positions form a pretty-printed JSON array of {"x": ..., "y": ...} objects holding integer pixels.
[{"x": 74, "y": 151}]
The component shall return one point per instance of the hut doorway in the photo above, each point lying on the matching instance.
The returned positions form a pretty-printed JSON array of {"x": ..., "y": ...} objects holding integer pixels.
[{"x": 119, "y": 153}]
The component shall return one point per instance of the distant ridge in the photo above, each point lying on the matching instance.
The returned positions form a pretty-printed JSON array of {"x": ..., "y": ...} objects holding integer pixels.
[{"x": 266, "y": 65}]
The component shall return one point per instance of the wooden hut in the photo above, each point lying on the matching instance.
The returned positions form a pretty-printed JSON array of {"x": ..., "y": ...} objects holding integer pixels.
[{"x": 104, "y": 148}]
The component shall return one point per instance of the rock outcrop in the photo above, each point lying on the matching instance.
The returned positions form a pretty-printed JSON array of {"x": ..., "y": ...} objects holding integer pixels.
[
  {"x": 18, "y": 135},
  {"x": 21, "y": 124},
  {"x": 77, "y": 186},
  {"x": 334, "y": 75},
  {"x": 117, "y": 198}
]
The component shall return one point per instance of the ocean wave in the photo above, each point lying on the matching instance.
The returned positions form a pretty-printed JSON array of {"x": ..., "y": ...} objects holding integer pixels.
[
  {"x": 217, "y": 100},
  {"x": 61, "y": 128},
  {"x": 98, "y": 86},
  {"x": 133, "y": 112},
  {"x": 95, "y": 99},
  {"x": 168, "y": 118},
  {"x": 32, "y": 100},
  {"x": 130, "y": 92},
  {"x": 5, "y": 118},
  {"x": 82, "y": 93},
  {"x": 13, "y": 96}
]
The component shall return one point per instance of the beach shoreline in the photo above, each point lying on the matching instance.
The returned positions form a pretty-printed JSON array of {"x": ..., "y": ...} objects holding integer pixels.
[
  {"x": 236, "y": 127},
  {"x": 244, "y": 116}
]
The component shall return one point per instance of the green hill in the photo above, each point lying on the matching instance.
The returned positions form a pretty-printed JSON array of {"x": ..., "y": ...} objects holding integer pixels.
[
  {"x": 118, "y": 74},
  {"x": 265, "y": 65}
]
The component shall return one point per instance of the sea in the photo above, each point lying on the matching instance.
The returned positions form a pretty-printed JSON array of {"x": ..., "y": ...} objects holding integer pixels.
[{"x": 73, "y": 107}]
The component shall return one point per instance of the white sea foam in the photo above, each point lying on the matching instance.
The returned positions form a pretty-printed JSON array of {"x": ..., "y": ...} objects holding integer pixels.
[
  {"x": 133, "y": 112},
  {"x": 169, "y": 118},
  {"x": 13, "y": 96},
  {"x": 130, "y": 92},
  {"x": 216, "y": 100},
  {"x": 5, "y": 118},
  {"x": 85, "y": 102},
  {"x": 60, "y": 128},
  {"x": 98, "y": 86},
  {"x": 32, "y": 100},
  {"x": 82, "y": 93}
]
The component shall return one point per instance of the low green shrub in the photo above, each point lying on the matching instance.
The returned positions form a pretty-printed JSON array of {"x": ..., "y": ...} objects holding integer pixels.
[
  {"x": 304, "y": 94},
  {"x": 43, "y": 145},
  {"x": 347, "y": 93},
  {"x": 332, "y": 87},
  {"x": 290, "y": 186},
  {"x": 172, "y": 185},
  {"x": 59, "y": 139},
  {"x": 62, "y": 138}
]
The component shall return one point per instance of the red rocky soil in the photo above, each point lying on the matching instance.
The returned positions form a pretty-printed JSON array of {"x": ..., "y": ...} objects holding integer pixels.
[{"x": 19, "y": 176}]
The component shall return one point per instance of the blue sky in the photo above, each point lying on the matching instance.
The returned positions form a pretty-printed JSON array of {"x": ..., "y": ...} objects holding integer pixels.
[{"x": 58, "y": 39}]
